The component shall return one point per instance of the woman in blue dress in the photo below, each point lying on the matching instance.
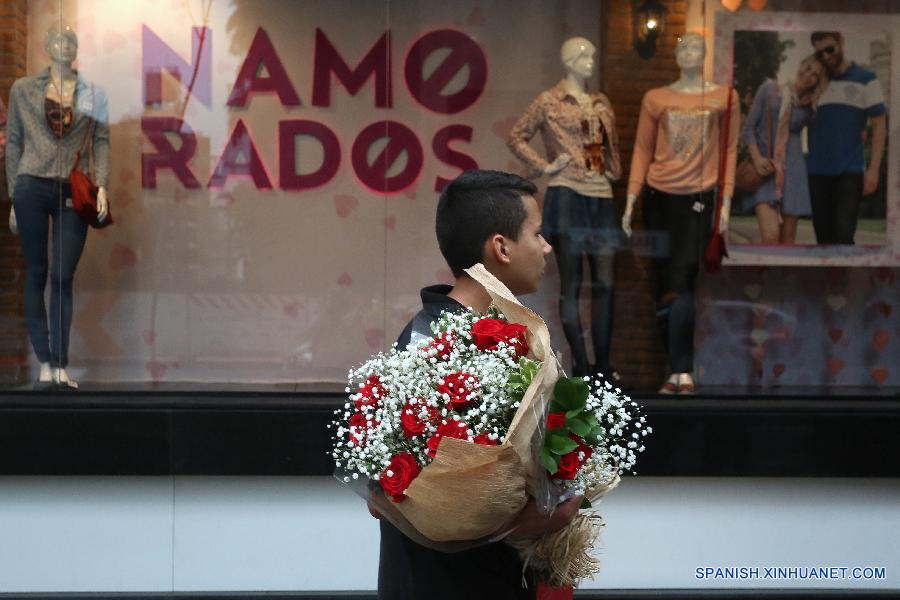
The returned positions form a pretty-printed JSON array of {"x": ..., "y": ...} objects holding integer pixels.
[{"x": 771, "y": 133}]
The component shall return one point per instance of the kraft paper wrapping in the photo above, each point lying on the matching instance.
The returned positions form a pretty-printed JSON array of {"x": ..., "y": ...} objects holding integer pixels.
[{"x": 471, "y": 491}]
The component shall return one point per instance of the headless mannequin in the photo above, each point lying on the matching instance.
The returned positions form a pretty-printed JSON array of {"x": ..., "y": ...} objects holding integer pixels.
[
  {"x": 566, "y": 216},
  {"x": 690, "y": 53},
  {"x": 61, "y": 45}
]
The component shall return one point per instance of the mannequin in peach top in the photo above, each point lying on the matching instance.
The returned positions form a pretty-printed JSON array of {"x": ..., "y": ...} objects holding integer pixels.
[
  {"x": 689, "y": 55},
  {"x": 578, "y": 131},
  {"x": 677, "y": 156}
]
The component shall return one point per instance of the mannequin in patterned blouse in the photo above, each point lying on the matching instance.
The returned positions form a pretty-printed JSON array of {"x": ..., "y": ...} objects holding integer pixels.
[{"x": 578, "y": 131}]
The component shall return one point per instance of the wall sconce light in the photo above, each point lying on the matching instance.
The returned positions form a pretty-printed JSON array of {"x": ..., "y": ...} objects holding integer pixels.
[{"x": 649, "y": 24}]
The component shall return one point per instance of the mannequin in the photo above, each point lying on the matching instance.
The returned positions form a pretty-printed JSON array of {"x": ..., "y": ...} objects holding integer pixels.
[
  {"x": 49, "y": 120},
  {"x": 677, "y": 155},
  {"x": 578, "y": 130}
]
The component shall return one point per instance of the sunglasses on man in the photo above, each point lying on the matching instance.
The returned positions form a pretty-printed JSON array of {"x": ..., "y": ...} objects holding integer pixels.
[{"x": 826, "y": 50}]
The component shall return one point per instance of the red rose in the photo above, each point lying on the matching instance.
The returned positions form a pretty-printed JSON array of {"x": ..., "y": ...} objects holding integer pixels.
[
  {"x": 395, "y": 479},
  {"x": 359, "y": 425},
  {"x": 442, "y": 345},
  {"x": 457, "y": 386},
  {"x": 432, "y": 444},
  {"x": 410, "y": 420},
  {"x": 514, "y": 335},
  {"x": 556, "y": 420},
  {"x": 571, "y": 463},
  {"x": 568, "y": 466},
  {"x": 582, "y": 447},
  {"x": 484, "y": 440},
  {"x": 486, "y": 333},
  {"x": 434, "y": 414},
  {"x": 370, "y": 393},
  {"x": 452, "y": 429}
]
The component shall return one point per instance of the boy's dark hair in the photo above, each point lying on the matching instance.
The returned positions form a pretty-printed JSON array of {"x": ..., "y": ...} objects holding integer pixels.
[
  {"x": 821, "y": 35},
  {"x": 475, "y": 206}
]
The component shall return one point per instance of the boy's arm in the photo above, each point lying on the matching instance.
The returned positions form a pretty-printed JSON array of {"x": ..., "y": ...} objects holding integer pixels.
[{"x": 531, "y": 523}]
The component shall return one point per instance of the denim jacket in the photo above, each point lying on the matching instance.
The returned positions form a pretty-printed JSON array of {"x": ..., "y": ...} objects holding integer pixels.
[{"x": 31, "y": 146}]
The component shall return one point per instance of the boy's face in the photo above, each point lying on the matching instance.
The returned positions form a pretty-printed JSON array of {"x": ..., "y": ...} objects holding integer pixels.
[{"x": 528, "y": 254}]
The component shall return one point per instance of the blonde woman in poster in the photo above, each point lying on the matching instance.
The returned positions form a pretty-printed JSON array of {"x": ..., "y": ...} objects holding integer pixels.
[
  {"x": 578, "y": 130},
  {"x": 676, "y": 154},
  {"x": 771, "y": 133}
]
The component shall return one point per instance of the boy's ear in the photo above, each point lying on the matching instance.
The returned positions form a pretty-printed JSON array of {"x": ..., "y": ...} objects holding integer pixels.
[{"x": 496, "y": 249}]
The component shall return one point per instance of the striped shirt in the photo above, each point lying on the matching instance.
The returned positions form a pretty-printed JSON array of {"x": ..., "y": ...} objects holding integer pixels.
[
  {"x": 836, "y": 132},
  {"x": 31, "y": 146}
]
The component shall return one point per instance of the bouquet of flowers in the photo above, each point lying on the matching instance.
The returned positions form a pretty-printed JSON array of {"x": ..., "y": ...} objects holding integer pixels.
[
  {"x": 451, "y": 435},
  {"x": 593, "y": 433}
]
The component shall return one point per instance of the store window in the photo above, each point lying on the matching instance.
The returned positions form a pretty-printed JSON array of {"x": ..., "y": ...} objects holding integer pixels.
[{"x": 269, "y": 173}]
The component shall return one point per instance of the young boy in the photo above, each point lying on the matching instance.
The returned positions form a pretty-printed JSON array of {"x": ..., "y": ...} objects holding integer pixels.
[{"x": 492, "y": 218}]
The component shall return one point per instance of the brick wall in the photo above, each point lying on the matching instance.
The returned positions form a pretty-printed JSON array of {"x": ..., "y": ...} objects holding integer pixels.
[
  {"x": 637, "y": 351},
  {"x": 14, "y": 347}
]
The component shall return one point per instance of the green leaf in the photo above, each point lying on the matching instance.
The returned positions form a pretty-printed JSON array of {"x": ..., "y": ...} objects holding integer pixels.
[
  {"x": 585, "y": 503},
  {"x": 578, "y": 426},
  {"x": 548, "y": 461},
  {"x": 519, "y": 382},
  {"x": 596, "y": 436},
  {"x": 571, "y": 393},
  {"x": 573, "y": 413},
  {"x": 560, "y": 444},
  {"x": 591, "y": 420},
  {"x": 529, "y": 366}
]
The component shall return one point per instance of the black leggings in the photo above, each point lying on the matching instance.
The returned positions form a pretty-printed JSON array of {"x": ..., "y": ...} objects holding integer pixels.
[{"x": 685, "y": 226}]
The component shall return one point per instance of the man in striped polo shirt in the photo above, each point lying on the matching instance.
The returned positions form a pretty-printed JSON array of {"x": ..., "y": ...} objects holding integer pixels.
[{"x": 838, "y": 175}]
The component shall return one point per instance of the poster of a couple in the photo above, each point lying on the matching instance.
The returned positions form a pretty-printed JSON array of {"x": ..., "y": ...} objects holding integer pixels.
[{"x": 814, "y": 176}]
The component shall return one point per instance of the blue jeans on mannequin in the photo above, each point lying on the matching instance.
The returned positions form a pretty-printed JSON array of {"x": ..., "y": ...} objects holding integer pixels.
[
  {"x": 37, "y": 201},
  {"x": 578, "y": 227}
]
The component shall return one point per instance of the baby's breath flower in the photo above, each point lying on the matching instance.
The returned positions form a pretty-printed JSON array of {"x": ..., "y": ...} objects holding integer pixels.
[{"x": 368, "y": 430}]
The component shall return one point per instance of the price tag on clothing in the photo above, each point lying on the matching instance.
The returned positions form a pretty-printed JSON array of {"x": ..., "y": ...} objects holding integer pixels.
[
  {"x": 69, "y": 203},
  {"x": 698, "y": 207}
]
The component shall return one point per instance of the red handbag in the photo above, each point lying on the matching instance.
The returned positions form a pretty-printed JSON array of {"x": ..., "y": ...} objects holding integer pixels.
[
  {"x": 717, "y": 248},
  {"x": 82, "y": 189}
]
